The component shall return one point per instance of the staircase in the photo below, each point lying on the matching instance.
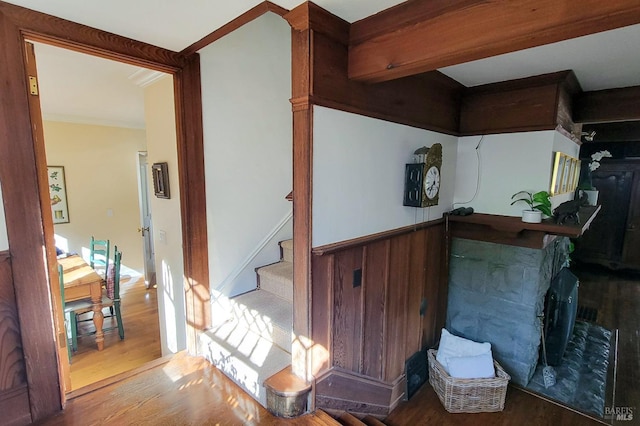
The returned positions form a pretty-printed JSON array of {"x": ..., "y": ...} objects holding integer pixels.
[{"x": 251, "y": 338}]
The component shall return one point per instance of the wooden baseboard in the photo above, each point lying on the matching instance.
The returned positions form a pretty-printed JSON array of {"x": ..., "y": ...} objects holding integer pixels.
[{"x": 338, "y": 390}]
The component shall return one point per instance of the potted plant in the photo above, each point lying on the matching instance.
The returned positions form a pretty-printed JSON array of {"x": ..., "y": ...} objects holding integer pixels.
[
  {"x": 584, "y": 185},
  {"x": 539, "y": 203}
]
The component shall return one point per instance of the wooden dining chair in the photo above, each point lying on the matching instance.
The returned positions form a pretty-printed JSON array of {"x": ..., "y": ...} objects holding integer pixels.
[
  {"x": 113, "y": 291},
  {"x": 70, "y": 317},
  {"x": 110, "y": 296},
  {"x": 99, "y": 255}
]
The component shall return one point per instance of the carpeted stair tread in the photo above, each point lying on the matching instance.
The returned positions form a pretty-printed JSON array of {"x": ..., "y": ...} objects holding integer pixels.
[
  {"x": 265, "y": 314},
  {"x": 277, "y": 279}
]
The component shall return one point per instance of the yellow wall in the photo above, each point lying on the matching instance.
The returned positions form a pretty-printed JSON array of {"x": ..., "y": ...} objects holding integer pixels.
[{"x": 100, "y": 165}]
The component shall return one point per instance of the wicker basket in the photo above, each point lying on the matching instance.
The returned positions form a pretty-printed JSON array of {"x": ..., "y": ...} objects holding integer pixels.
[{"x": 468, "y": 395}]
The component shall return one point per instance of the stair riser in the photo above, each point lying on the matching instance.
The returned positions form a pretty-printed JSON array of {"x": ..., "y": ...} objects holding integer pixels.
[
  {"x": 287, "y": 255},
  {"x": 238, "y": 368},
  {"x": 287, "y": 250},
  {"x": 276, "y": 285}
]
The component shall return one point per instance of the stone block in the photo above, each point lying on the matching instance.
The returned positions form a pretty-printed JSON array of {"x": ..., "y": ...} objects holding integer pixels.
[
  {"x": 505, "y": 282},
  {"x": 471, "y": 249},
  {"x": 468, "y": 274},
  {"x": 534, "y": 287}
]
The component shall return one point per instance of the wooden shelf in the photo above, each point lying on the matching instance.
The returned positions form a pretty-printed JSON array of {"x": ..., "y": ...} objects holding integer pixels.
[{"x": 511, "y": 230}]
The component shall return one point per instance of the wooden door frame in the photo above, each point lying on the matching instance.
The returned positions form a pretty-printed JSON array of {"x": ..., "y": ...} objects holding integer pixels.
[{"x": 28, "y": 244}]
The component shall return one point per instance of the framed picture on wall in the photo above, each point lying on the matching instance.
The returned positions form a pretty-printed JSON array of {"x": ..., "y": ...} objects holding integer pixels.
[
  {"x": 556, "y": 175},
  {"x": 58, "y": 194},
  {"x": 160, "y": 173}
]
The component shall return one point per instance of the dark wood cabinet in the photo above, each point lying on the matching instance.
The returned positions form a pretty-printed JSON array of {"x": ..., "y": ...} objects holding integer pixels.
[{"x": 613, "y": 240}]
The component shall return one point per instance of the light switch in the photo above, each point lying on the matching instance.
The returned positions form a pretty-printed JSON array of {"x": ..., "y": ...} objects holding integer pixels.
[
  {"x": 109, "y": 212},
  {"x": 162, "y": 236}
]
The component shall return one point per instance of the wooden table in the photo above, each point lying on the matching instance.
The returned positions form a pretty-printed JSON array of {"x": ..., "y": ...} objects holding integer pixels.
[{"x": 82, "y": 282}]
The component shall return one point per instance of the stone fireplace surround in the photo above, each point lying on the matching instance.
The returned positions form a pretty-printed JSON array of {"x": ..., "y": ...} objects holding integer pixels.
[{"x": 497, "y": 293}]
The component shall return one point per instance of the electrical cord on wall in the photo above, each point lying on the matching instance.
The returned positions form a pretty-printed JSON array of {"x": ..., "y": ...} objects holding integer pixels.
[{"x": 475, "y": 194}]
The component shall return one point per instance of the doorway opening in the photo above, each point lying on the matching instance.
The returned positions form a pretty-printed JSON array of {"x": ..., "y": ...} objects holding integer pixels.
[{"x": 95, "y": 123}]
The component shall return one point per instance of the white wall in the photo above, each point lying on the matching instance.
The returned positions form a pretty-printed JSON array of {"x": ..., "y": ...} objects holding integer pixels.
[
  {"x": 4, "y": 241},
  {"x": 504, "y": 164},
  {"x": 166, "y": 218},
  {"x": 358, "y": 175},
  {"x": 246, "y": 86}
]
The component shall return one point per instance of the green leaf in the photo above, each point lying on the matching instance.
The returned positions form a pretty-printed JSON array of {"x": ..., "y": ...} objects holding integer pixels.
[
  {"x": 526, "y": 200},
  {"x": 544, "y": 209},
  {"x": 522, "y": 192}
]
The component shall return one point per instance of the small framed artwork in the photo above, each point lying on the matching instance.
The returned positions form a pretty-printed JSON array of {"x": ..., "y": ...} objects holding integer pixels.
[
  {"x": 58, "y": 194},
  {"x": 566, "y": 172},
  {"x": 566, "y": 169},
  {"x": 556, "y": 176},
  {"x": 160, "y": 180}
]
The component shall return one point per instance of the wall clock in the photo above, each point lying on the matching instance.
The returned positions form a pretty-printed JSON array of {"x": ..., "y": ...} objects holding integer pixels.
[{"x": 422, "y": 180}]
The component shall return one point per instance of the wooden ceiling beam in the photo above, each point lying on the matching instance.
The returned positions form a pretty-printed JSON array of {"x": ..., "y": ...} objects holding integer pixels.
[
  {"x": 603, "y": 106},
  {"x": 420, "y": 36}
]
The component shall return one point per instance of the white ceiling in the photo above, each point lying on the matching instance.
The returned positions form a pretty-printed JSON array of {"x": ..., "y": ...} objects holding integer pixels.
[{"x": 78, "y": 87}]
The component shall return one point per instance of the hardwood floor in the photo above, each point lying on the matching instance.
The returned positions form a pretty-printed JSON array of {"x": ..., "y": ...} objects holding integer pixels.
[
  {"x": 140, "y": 345},
  {"x": 188, "y": 390},
  {"x": 616, "y": 296}
]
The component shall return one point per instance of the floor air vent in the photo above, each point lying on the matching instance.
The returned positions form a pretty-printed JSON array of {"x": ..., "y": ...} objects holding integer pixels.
[
  {"x": 417, "y": 372},
  {"x": 587, "y": 314}
]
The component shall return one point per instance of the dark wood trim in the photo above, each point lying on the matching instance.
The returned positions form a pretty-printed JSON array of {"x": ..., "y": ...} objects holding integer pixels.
[
  {"x": 49, "y": 239},
  {"x": 23, "y": 213},
  {"x": 622, "y": 131},
  {"x": 429, "y": 101},
  {"x": 14, "y": 405},
  {"x": 348, "y": 244},
  {"x": 490, "y": 28},
  {"x": 302, "y": 203},
  {"x": 310, "y": 16},
  {"x": 603, "y": 106},
  {"x": 253, "y": 13},
  {"x": 342, "y": 390},
  {"x": 511, "y": 230},
  {"x": 21, "y": 197},
  {"x": 59, "y": 32},
  {"x": 541, "y": 102},
  {"x": 14, "y": 394},
  {"x": 188, "y": 95}
]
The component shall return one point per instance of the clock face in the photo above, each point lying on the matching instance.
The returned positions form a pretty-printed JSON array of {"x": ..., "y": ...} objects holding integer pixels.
[{"x": 432, "y": 182}]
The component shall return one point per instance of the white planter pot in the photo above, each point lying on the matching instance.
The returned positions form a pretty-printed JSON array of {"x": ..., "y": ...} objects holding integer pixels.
[
  {"x": 592, "y": 196},
  {"x": 532, "y": 216}
]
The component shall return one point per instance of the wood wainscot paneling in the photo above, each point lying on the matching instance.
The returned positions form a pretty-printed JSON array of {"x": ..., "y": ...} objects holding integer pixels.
[
  {"x": 377, "y": 300},
  {"x": 542, "y": 102},
  {"x": 14, "y": 396}
]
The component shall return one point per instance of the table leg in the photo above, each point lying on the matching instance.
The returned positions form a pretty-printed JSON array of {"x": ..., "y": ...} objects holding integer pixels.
[
  {"x": 98, "y": 317},
  {"x": 98, "y": 320}
]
